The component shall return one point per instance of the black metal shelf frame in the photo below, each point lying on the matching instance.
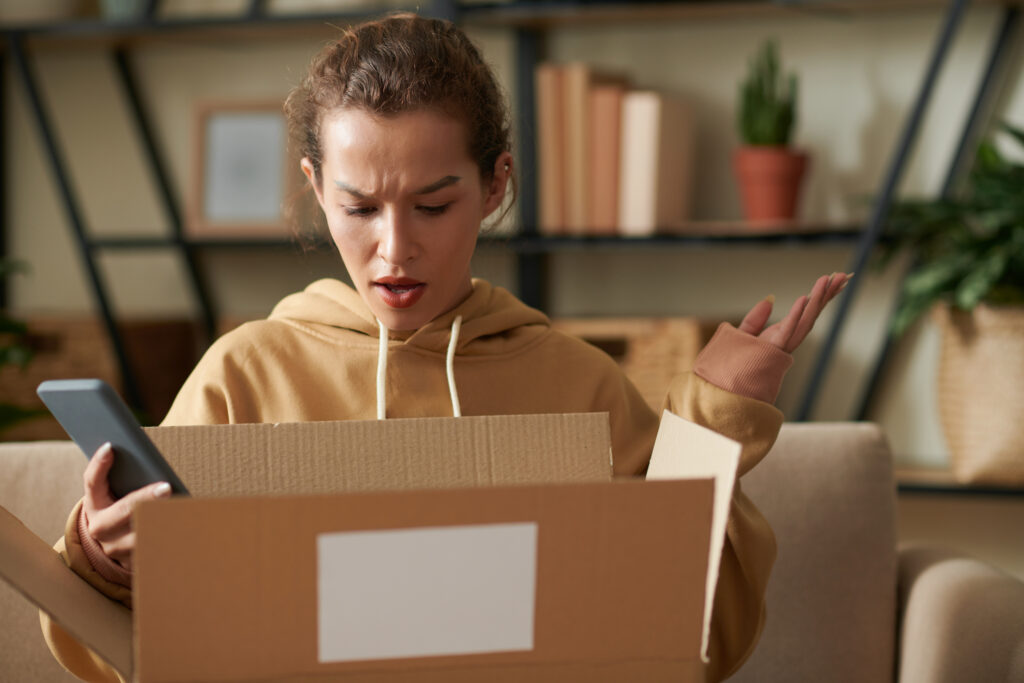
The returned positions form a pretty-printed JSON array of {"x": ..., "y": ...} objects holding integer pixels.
[
  {"x": 531, "y": 249},
  {"x": 959, "y": 490},
  {"x": 873, "y": 231}
]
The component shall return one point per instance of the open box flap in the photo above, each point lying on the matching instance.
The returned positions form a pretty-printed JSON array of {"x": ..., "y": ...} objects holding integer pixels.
[
  {"x": 686, "y": 450},
  {"x": 38, "y": 572},
  {"x": 372, "y": 455}
]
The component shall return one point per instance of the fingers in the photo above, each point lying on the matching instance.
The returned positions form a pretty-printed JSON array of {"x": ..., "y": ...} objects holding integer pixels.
[
  {"x": 809, "y": 315},
  {"x": 755, "y": 320},
  {"x": 111, "y": 526},
  {"x": 838, "y": 284},
  {"x": 789, "y": 332},
  {"x": 789, "y": 324},
  {"x": 97, "y": 489},
  {"x": 825, "y": 289},
  {"x": 108, "y": 521}
]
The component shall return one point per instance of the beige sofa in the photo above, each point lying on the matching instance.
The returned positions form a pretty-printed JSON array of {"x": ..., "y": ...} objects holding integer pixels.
[{"x": 844, "y": 604}]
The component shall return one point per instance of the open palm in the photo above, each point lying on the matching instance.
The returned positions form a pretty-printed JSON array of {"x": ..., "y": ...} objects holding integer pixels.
[{"x": 788, "y": 333}]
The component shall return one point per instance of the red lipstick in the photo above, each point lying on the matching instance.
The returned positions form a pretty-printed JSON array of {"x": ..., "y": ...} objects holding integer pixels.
[{"x": 399, "y": 292}]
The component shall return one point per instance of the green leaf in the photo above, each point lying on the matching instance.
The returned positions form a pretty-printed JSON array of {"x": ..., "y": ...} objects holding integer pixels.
[
  {"x": 988, "y": 158},
  {"x": 16, "y": 355},
  {"x": 977, "y": 283},
  {"x": 910, "y": 310},
  {"x": 767, "y": 102},
  {"x": 935, "y": 277},
  {"x": 10, "y": 266},
  {"x": 10, "y": 326},
  {"x": 11, "y": 414},
  {"x": 1017, "y": 133}
]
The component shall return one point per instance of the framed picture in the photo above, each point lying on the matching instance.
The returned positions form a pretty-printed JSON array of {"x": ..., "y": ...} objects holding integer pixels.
[{"x": 243, "y": 174}]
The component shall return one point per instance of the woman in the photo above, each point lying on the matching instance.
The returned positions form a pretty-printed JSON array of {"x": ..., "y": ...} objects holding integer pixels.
[{"x": 405, "y": 142}]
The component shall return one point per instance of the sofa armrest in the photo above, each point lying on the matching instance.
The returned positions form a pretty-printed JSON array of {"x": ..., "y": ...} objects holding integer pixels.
[{"x": 960, "y": 619}]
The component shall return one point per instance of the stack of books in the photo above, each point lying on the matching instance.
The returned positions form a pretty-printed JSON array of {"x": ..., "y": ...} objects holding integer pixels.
[{"x": 611, "y": 159}]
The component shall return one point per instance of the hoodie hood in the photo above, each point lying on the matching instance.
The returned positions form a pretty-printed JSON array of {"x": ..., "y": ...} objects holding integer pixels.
[{"x": 493, "y": 320}]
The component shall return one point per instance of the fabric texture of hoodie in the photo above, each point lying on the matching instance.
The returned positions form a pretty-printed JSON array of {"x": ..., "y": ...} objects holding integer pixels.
[{"x": 316, "y": 358}]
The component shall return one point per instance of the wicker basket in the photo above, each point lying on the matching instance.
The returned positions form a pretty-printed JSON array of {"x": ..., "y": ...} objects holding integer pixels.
[
  {"x": 651, "y": 351},
  {"x": 981, "y": 392}
]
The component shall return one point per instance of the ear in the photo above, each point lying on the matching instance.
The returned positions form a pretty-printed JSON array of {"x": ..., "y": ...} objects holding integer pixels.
[
  {"x": 310, "y": 172},
  {"x": 499, "y": 183}
]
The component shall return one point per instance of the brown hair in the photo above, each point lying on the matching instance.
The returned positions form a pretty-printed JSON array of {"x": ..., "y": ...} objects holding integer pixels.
[{"x": 398, "y": 64}]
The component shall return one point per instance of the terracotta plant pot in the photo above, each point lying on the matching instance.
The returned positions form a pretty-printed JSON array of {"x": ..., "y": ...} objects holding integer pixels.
[{"x": 769, "y": 180}]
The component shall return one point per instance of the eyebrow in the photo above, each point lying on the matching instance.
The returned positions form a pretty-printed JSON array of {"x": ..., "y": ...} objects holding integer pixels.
[{"x": 447, "y": 181}]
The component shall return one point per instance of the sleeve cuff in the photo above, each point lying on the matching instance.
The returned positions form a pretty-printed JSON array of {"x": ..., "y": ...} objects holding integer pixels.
[
  {"x": 104, "y": 566},
  {"x": 743, "y": 364}
]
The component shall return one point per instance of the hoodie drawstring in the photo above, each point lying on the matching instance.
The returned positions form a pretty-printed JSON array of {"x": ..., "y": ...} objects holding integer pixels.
[
  {"x": 382, "y": 369},
  {"x": 449, "y": 365}
]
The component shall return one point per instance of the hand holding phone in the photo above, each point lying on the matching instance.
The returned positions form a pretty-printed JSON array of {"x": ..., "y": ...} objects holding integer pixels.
[{"x": 107, "y": 521}]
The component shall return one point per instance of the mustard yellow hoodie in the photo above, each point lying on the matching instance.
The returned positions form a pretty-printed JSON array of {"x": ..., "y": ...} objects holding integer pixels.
[{"x": 317, "y": 358}]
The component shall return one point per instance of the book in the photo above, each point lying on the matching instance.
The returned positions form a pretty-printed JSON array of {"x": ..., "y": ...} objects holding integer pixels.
[
  {"x": 579, "y": 79},
  {"x": 550, "y": 118},
  {"x": 603, "y": 166},
  {"x": 656, "y": 162}
]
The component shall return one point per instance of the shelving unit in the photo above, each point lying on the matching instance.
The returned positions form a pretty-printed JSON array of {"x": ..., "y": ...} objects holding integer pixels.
[{"x": 529, "y": 20}]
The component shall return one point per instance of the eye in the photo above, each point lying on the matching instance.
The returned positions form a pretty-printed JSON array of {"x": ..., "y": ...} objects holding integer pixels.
[
  {"x": 434, "y": 210},
  {"x": 359, "y": 211}
]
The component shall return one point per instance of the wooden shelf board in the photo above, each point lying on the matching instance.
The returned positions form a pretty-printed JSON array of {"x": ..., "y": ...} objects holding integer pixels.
[
  {"x": 75, "y": 32},
  {"x": 942, "y": 481},
  {"x": 702, "y": 233},
  {"x": 569, "y": 12},
  {"x": 78, "y": 32}
]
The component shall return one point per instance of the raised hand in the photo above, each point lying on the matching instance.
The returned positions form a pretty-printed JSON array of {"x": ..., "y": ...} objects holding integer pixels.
[{"x": 794, "y": 327}]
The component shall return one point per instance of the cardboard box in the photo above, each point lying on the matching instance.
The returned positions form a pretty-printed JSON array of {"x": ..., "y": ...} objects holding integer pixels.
[{"x": 509, "y": 555}]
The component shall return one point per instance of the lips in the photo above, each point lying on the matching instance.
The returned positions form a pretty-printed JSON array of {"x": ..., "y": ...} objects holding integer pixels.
[{"x": 399, "y": 292}]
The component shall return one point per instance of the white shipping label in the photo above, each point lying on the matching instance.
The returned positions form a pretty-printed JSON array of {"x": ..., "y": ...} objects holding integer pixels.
[{"x": 426, "y": 592}]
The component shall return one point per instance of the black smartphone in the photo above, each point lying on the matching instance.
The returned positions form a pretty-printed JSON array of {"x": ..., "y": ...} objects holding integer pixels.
[{"x": 92, "y": 413}]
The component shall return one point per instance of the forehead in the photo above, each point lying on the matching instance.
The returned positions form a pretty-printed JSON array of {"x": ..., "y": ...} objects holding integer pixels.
[{"x": 421, "y": 138}]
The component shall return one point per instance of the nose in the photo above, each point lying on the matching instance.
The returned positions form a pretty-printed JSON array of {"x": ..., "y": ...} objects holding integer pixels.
[{"x": 396, "y": 242}]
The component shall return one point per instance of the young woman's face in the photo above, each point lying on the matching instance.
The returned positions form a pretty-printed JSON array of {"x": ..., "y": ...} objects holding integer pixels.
[{"x": 404, "y": 202}]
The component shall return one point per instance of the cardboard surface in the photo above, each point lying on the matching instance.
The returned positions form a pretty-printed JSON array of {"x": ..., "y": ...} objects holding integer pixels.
[
  {"x": 374, "y": 455},
  {"x": 232, "y": 582},
  {"x": 38, "y": 572},
  {"x": 686, "y": 450},
  {"x": 226, "y": 586}
]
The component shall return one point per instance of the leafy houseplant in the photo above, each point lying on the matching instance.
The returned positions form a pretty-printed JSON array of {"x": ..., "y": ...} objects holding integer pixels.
[
  {"x": 768, "y": 169},
  {"x": 767, "y": 110},
  {"x": 968, "y": 249},
  {"x": 14, "y": 351},
  {"x": 968, "y": 265}
]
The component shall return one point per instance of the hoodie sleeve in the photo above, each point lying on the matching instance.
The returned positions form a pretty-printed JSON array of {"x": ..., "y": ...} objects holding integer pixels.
[
  {"x": 73, "y": 655},
  {"x": 735, "y": 380}
]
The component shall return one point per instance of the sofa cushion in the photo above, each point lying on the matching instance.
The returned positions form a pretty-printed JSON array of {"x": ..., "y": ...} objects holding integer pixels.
[
  {"x": 39, "y": 483},
  {"x": 828, "y": 492}
]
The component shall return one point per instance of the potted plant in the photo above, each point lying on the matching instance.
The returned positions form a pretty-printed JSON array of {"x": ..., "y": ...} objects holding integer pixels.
[
  {"x": 14, "y": 351},
  {"x": 769, "y": 171},
  {"x": 968, "y": 266}
]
